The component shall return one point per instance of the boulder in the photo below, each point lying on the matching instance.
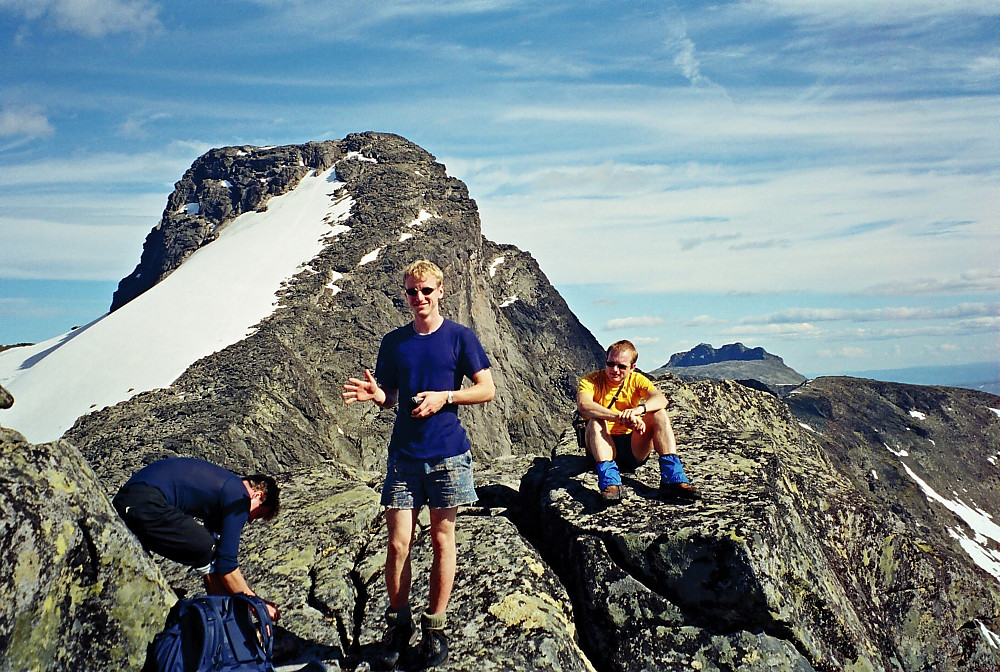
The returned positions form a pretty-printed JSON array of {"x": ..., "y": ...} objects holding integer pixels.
[{"x": 79, "y": 593}]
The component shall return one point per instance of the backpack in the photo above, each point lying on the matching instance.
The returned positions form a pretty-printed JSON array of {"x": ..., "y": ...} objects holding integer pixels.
[{"x": 214, "y": 632}]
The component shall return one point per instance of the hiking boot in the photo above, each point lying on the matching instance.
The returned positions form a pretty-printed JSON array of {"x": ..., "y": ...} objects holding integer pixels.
[
  {"x": 612, "y": 494},
  {"x": 433, "y": 647},
  {"x": 394, "y": 642},
  {"x": 684, "y": 492}
]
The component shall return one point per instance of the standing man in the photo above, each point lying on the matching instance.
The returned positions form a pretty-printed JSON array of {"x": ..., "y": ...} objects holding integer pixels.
[
  {"x": 627, "y": 420},
  {"x": 162, "y": 504},
  {"x": 421, "y": 365}
]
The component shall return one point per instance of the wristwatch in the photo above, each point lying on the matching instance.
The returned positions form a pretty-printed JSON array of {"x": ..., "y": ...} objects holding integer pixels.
[
  {"x": 451, "y": 397},
  {"x": 643, "y": 404}
]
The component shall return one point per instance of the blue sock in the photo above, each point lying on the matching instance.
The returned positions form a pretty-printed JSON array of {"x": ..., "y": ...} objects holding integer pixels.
[
  {"x": 671, "y": 470},
  {"x": 607, "y": 474}
]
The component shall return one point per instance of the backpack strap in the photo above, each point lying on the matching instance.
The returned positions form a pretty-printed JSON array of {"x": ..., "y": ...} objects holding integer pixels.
[{"x": 257, "y": 642}]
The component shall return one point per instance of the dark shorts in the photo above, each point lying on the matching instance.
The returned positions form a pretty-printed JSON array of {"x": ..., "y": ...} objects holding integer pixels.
[
  {"x": 163, "y": 528},
  {"x": 623, "y": 453},
  {"x": 440, "y": 484}
]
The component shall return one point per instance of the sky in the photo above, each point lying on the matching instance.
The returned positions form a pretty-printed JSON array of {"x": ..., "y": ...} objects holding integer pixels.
[{"x": 818, "y": 178}]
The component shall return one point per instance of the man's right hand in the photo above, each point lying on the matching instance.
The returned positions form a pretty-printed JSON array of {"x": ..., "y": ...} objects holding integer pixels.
[{"x": 360, "y": 390}]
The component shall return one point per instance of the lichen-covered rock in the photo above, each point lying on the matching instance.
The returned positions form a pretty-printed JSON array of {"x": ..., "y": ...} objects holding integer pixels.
[
  {"x": 321, "y": 560},
  {"x": 782, "y": 563},
  {"x": 508, "y": 611},
  {"x": 79, "y": 593},
  {"x": 6, "y": 398}
]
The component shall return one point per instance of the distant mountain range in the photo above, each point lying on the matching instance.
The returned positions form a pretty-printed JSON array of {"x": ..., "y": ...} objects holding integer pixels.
[
  {"x": 754, "y": 366},
  {"x": 737, "y": 362},
  {"x": 983, "y": 376}
]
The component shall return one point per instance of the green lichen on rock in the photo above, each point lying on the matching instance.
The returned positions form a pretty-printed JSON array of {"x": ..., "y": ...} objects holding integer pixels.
[{"x": 81, "y": 592}]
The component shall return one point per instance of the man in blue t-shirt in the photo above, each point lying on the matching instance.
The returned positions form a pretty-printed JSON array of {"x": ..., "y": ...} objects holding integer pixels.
[
  {"x": 421, "y": 365},
  {"x": 193, "y": 512}
]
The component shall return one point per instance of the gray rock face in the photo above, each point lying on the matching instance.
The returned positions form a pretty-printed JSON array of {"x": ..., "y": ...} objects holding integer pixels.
[
  {"x": 78, "y": 591},
  {"x": 6, "y": 398}
]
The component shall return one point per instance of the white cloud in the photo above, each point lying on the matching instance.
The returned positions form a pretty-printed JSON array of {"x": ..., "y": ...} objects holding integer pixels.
[
  {"x": 842, "y": 352},
  {"x": 26, "y": 122},
  {"x": 135, "y": 125},
  {"x": 92, "y": 18},
  {"x": 796, "y": 315},
  {"x": 871, "y": 12},
  {"x": 633, "y": 323},
  {"x": 974, "y": 280}
]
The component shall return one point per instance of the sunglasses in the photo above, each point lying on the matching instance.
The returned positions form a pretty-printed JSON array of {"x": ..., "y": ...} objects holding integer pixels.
[
  {"x": 615, "y": 365},
  {"x": 426, "y": 291}
]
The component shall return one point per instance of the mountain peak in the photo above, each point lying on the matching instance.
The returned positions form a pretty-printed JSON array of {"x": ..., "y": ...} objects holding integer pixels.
[
  {"x": 704, "y": 353},
  {"x": 735, "y": 361}
]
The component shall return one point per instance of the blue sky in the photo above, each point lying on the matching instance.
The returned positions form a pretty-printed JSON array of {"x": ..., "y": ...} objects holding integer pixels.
[{"x": 819, "y": 178}]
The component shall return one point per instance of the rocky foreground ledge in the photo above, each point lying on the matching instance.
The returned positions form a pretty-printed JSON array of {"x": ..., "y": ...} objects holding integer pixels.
[{"x": 786, "y": 564}]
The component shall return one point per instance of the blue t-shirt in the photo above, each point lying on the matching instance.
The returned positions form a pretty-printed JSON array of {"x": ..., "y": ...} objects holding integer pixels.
[
  {"x": 207, "y": 491},
  {"x": 410, "y": 363}
]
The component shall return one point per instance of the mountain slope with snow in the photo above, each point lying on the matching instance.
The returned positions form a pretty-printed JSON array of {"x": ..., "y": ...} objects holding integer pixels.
[{"x": 211, "y": 301}]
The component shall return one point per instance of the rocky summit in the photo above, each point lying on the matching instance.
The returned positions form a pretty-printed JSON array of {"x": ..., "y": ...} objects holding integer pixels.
[{"x": 848, "y": 526}]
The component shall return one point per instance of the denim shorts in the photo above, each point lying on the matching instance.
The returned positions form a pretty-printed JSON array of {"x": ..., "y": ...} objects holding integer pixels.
[{"x": 440, "y": 484}]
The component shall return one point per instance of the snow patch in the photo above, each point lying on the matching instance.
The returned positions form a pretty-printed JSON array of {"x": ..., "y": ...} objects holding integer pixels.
[
  {"x": 918, "y": 415},
  {"x": 899, "y": 453},
  {"x": 996, "y": 411},
  {"x": 359, "y": 157},
  {"x": 807, "y": 427},
  {"x": 214, "y": 299},
  {"x": 332, "y": 285},
  {"x": 874, "y": 474},
  {"x": 978, "y": 547},
  {"x": 370, "y": 257},
  {"x": 991, "y": 637},
  {"x": 509, "y": 301},
  {"x": 421, "y": 218},
  {"x": 405, "y": 236},
  {"x": 190, "y": 209},
  {"x": 493, "y": 266}
]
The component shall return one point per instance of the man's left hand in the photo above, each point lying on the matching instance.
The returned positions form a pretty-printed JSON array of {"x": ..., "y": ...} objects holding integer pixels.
[{"x": 432, "y": 403}]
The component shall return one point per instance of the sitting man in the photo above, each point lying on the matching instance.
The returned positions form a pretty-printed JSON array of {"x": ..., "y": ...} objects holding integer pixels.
[
  {"x": 627, "y": 419},
  {"x": 162, "y": 504}
]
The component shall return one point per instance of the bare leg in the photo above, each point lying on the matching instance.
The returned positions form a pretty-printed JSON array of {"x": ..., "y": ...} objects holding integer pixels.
[
  {"x": 401, "y": 524},
  {"x": 659, "y": 436},
  {"x": 445, "y": 558},
  {"x": 599, "y": 443}
]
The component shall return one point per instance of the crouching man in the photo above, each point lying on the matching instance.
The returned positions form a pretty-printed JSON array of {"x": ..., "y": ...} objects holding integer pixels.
[
  {"x": 163, "y": 503},
  {"x": 627, "y": 420}
]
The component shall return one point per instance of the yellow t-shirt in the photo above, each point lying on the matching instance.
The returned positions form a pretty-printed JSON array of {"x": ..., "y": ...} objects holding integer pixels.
[{"x": 636, "y": 388}]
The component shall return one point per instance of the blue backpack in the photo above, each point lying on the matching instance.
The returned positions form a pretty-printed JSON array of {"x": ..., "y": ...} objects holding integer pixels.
[{"x": 214, "y": 632}]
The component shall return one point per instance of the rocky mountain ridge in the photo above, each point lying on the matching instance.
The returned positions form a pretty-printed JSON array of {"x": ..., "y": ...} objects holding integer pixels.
[{"x": 832, "y": 535}]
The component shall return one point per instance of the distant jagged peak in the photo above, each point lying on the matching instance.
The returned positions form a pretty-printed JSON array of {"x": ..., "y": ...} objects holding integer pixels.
[{"x": 705, "y": 354}]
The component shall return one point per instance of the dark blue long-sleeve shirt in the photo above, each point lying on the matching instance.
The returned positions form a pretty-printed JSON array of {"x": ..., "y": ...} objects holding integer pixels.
[{"x": 207, "y": 491}]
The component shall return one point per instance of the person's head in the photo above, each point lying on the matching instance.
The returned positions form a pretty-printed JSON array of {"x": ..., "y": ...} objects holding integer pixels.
[
  {"x": 421, "y": 269},
  {"x": 264, "y": 503},
  {"x": 619, "y": 360},
  {"x": 423, "y": 283}
]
